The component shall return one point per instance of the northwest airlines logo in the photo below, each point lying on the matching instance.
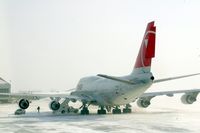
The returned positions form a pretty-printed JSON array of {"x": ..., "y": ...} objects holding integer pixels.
[
  {"x": 143, "y": 59},
  {"x": 145, "y": 42},
  {"x": 147, "y": 49},
  {"x": 142, "y": 55}
]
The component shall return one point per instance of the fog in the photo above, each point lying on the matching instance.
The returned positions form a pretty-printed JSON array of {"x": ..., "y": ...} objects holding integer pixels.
[
  {"x": 158, "y": 118},
  {"x": 49, "y": 45}
]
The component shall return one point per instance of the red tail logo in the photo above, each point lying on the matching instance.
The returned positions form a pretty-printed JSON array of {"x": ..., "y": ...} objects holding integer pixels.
[{"x": 147, "y": 49}]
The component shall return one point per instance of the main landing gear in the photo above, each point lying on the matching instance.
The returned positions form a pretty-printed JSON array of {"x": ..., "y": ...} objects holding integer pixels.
[
  {"x": 101, "y": 111},
  {"x": 84, "y": 110},
  {"x": 127, "y": 109},
  {"x": 116, "y": 110}
]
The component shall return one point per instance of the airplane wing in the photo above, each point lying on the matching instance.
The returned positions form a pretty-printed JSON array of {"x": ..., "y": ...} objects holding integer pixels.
[
  {"x": 169, "y": 93},
  {"x": 188, "y": 97},
  {"x": 23, "y": 100},
  {"x": 173, "y": 78},
  {"x": 30, "y": 96}
]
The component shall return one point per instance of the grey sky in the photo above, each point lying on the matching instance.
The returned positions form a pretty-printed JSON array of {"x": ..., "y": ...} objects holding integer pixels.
[{"x": 51, "y": 44}]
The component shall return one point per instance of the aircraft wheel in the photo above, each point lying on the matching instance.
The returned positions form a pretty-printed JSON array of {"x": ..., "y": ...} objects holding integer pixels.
[
  {"x": 63, "y": 111},
  {"x": 101, "y": 112},
  {"x": 116, "y": 111},
  {"x": 127, "y": 110},
  {"x": 85, "y": 111}
]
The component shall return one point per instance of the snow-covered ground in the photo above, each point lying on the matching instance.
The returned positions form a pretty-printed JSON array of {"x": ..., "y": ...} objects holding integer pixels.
[{"x": 165, "y": 115}]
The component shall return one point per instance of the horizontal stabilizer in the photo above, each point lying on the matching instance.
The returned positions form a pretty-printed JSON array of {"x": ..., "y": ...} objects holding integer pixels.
[{"x": 115, "y": 78}]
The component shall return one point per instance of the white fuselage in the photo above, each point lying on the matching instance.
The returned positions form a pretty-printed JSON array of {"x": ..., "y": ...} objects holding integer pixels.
[{"x": 107, "y": 92}]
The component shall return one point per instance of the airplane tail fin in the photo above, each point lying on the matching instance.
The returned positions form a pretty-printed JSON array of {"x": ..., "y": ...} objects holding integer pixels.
[{"x": 147, "y": 50}]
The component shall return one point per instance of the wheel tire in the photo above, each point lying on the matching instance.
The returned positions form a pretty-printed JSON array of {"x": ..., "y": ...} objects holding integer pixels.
[
  {"x": 63, "y": 111},
  {"x": 101, "y": 112},
  {"x": 84, "y": 111},
  {"x": 126, "y": 111},
  {"x": 104, "y": 111},
  {"x": 116, "y": 111},
  {"x": 87, "y": 112},
  {"x": 98, "y": 112},
  {"x": 119, "y": 111}
]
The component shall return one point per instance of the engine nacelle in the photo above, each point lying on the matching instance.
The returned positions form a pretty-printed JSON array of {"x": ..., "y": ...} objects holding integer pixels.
[
  {"x": 143, "y": 103},
  {"x": 54, "y": 105},
  {"x": 23, "y": 103},
  {"x": 188, "y": 99},
  {"x": 73, "y": 100}
]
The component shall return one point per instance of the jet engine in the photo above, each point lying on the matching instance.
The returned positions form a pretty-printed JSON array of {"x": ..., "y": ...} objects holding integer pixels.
[
  {"x": 188, "y": 99},
  {"x": 143, "y": 103},
  {"x": 23, "y": 103},
  {"x": 54, "y": 105}
]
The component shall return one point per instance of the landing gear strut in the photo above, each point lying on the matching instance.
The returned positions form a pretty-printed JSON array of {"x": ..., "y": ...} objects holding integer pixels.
[
  {"x": 127, "y": 109},
  {"x": 101, "y": 111},
  {"x": 116, "y": 110},
  {"x": 85, "y": 110}
]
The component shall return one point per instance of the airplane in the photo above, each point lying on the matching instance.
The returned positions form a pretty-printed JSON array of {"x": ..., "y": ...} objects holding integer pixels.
[
  {"x": 111, "y": 92},
  {"x": 5, "y": 87}
]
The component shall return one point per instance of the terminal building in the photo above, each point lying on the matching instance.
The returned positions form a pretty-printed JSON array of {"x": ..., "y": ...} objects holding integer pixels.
[{"x": 5, "y": 87}]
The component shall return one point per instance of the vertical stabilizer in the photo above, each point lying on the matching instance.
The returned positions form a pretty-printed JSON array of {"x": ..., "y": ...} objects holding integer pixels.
[{"x": 147, "y": 50}]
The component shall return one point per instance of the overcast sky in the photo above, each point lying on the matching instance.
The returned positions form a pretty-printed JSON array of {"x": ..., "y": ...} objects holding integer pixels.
[{"x": 50, "y": 44}]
